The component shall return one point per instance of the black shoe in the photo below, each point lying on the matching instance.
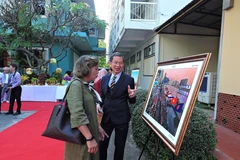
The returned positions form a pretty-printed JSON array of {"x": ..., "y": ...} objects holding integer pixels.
[
  {"x": 16, "y": 113},
  {"x": 8, "y": 113}
]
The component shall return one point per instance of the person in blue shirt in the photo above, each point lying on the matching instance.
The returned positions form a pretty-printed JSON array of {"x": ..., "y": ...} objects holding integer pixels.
[{"x": 16, "y": 90}]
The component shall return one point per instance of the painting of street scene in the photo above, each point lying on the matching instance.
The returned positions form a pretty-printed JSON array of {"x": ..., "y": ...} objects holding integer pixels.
[{"x": 168, "y": 96}]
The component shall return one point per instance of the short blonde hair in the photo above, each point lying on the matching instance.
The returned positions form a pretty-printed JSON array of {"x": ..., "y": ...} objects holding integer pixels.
[{"x": 83, "y": 65}]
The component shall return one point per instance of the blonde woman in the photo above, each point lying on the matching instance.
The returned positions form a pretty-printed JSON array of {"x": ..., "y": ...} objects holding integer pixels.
[{"x": 82, "y": 100}]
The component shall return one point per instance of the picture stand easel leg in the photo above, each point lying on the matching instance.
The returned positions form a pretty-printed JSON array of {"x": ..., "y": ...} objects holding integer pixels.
[
  {"x": 173, "y": 156},
  {"x": 149, "y": 135},
  {"x": 157, "y": 148}
]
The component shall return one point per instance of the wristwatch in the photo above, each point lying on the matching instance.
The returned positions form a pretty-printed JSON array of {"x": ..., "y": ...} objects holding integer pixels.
[{"x": 90, "y": 139}]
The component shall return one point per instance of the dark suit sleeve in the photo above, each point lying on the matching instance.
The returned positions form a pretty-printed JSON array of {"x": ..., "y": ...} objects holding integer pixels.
[{"x": 132, "y": 86}]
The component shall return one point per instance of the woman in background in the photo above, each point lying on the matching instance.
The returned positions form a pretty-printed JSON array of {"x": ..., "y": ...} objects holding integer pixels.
[
  {"x": 67, "y": 77},
  {"x": 97, "y": 82}
]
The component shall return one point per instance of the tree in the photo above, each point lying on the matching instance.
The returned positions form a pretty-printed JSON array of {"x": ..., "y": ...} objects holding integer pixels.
[
  {"x": 22, "y": 28},
  {"x": 102, "y": 59}
]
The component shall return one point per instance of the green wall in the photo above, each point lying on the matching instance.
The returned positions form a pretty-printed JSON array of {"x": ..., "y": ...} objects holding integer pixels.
[{"x": 65, "y": 64}]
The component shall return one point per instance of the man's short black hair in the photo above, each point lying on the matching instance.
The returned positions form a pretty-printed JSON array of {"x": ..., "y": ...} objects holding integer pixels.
[
  {"x": 14, "y": 66},
  {"x": 116, "y": 54}
]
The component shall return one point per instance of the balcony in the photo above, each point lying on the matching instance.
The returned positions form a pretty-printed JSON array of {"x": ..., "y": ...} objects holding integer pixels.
[
  {"x": 135, "y": 20},
  {"x": 143, "y": 11}
]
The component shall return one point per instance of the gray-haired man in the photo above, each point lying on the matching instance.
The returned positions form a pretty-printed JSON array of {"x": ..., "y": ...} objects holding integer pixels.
[{"x": 6, "y": 78}]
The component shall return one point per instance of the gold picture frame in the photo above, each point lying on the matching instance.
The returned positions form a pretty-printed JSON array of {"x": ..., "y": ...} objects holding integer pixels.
[{"x": 171, "y": 97}]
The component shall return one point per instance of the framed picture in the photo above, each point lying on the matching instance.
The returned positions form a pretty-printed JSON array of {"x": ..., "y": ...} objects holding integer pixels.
[
  {"x": 135, "y": 74},
  {"x": 171, "y": 97}
]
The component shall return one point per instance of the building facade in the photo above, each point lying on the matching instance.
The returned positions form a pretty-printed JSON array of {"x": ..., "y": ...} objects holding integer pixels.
[{"x": 178, "y": 29}]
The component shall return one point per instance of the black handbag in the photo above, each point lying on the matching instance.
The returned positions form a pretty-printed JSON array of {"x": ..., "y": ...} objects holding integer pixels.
[{"x": 59, "y": 126}]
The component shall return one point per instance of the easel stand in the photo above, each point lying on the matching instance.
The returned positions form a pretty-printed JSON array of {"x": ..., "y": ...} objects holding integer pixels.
[
  {"x": 149, "y": 135},
  {"x": 157, "y": 147}
]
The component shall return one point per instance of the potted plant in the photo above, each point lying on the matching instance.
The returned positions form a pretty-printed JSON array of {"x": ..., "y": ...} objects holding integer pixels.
[
  {"x": 24, "y": 78},
  {"x": 52, "y": 80},
  {"x": 42, "y": 77},
  {"x": 34, "y": 81},
  {"x": 48, "y": 81}
]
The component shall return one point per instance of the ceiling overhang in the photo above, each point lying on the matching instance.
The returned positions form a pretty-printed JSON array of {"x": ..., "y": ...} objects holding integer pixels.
[
  {"x": 81, "y": 45},
  {"x": 199, "y": 17},
  {"x": 130, "y": 40}
]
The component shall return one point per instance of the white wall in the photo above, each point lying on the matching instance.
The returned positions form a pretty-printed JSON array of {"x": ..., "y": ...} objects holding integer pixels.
[
  {"x": 172, "y": 46},
  {"x": 149, "y": 39}
]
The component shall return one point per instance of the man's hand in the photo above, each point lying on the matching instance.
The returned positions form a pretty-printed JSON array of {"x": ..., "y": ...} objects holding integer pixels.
[
  {"x": 132, "y": 92},
  {"x": 102, "y": 133}
]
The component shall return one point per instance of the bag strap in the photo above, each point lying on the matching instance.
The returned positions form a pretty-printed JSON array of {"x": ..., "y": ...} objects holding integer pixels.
[{"x": 64, "y": 97}]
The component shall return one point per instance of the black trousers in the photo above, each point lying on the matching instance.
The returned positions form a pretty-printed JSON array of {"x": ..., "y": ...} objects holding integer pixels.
[
  {"x": 121, "y": 131},
  {"x": 15, "y": 95}
]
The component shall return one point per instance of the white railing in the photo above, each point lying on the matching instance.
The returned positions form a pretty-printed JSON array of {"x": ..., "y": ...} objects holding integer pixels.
[{"x": 143, "y": 11}]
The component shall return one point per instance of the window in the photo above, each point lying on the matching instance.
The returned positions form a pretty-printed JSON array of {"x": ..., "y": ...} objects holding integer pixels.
[
  {"x": 139, "y": 56},
  {"x": 132, "y": 59},
  {"x": 39, "y": 7},
  {"x": 126, "y": 62},
  {"x": 149, "y": 51}
]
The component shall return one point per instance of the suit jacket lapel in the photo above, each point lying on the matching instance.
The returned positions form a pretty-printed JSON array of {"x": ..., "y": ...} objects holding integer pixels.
[
  {"x": 118, "y": 84},
  {"x": 108, "y": 76}
]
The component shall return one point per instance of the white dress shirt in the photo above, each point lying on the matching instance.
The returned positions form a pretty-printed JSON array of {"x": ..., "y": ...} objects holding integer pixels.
[{"x": 117, "y": 78}]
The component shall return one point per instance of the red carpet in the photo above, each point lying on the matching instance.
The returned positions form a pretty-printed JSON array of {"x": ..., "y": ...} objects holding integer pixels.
[{"x": 23, "y": 141}]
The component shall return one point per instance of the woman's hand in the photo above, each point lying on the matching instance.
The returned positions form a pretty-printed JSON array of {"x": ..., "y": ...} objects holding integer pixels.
[
  {"x": 102, "y": 133},
  {"x": 92, "y": 146}
]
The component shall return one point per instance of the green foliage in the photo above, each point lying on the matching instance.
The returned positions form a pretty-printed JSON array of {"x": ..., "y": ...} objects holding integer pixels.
[
  {"x": 199, "y": 141},
  {"x": 58, "y": 77},
  {"x": 101, "y": 44},
  {"x": 22, "y": 29},
  {"x": 102, "y": 62},
  {"x": 140, "y": 98}
]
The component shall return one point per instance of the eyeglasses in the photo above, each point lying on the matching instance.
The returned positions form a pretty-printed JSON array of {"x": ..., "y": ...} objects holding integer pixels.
[{"x": 117, "y": 63}]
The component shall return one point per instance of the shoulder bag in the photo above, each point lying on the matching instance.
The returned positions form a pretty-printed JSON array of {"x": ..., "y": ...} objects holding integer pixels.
[{"x": 59, "y": 126}]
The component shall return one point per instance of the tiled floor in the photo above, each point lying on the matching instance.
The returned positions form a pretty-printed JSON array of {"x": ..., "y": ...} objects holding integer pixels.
[{"x": 228, "y": 146}]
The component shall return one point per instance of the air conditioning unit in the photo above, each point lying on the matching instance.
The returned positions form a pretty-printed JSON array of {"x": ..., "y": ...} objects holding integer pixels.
[{"x": 207, "y": 90}]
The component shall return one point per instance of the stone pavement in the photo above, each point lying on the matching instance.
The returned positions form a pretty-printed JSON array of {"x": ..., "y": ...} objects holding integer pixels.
[
  {"x": 7, "y": 121},
  {"x": 131, "y": 150}
]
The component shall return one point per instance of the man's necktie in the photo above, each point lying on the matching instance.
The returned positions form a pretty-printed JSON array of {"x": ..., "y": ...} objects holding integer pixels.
[{"x": 113, "y": 82}]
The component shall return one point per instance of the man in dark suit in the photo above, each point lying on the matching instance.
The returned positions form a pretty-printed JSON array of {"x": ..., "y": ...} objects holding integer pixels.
[{"x": 117, "y": 89}]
